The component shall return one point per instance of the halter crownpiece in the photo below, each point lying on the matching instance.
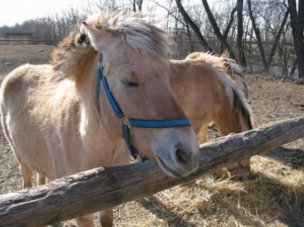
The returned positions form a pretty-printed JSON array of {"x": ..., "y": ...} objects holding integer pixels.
[{"x": 131, "y": 122}]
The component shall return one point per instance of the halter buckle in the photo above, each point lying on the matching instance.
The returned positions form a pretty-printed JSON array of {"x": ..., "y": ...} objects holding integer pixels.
[{"x": 126, "y": 122}]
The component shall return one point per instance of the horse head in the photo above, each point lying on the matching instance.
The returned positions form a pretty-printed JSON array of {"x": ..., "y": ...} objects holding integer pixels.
[{"x": 135, "y": 73}]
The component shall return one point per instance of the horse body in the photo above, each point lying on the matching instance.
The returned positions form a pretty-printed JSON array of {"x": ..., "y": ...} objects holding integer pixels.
[
  {"x": 189, "y": 86},
  {"x": 58, "y": 125},
  {"x": 207, "y": 95},
  {"x": 48, "y": 118}
]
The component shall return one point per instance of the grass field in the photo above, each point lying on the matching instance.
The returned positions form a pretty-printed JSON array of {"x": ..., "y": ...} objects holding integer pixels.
[{"x": 274, "y": 196}]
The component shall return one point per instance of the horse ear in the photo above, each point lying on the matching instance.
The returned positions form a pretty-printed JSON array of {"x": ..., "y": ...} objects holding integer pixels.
[
  {"x": 98, "y": 36},
  {"x": 94, "y": 35},
  {"x": 92, "y": 32},
  {"x": 225, "y": 54}
]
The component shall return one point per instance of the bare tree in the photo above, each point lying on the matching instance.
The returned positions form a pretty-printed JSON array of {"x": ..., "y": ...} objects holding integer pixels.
[
  {"x": 239, "y": 42},
  {"x": 297, "y": 25},
  {"x": 104, "y": 5},
  {"x": 195, "y": 28},
  {"x": 266, "y": 61},
  {"x": 137, "y": 5},
  {"x": 277, "y": 37},
  {"x": 258, "y": 35},
  {"x": 221, "y": 36},
  {"x": 216, "y": 29}
]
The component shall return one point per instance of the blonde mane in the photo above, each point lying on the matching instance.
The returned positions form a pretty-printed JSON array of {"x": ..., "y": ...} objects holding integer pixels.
[
  {"x": 140, "y": 35},
  {"x": 72, "y": 54},
  {"x": 223, "y": 63}
]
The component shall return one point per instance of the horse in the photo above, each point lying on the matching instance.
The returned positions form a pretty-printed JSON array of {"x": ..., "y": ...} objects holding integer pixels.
[
  {"x": 205, "y": 75},
  {"x": 224, "y": 62},
  {"x": 82, "y": 111},
  {"x": 206, "y": 94}
]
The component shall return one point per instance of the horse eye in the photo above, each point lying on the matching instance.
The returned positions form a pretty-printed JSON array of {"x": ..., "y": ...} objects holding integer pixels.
[
  {"x": 129, "y": 83},
  {"x": 132, "y": 84}
]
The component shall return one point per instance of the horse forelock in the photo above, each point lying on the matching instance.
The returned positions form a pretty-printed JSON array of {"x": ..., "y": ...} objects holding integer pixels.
[
  {"x": 63, "y": 50},
  {"x": 137, "y": 32}
]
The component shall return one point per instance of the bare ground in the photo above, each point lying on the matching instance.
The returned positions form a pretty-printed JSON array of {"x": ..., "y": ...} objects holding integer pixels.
[{"x": 273, "y": 197}]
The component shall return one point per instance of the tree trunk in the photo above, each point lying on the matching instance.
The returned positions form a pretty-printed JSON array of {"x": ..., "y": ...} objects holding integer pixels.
[
  {"x": 257, "y": 35},
  {"x": 195, "y": 28},
  {"x": 277, "y": 38},
  {"x": 100, "y": 188},
  {"x": 296, "y": 22},
  {"x": 137, "y": 5},
  {"x": 192, "y": 48},
  {"x": 216, "y": 29},
  {"x": 230, "y": 22},
  {"x": 239, "y": 42}
]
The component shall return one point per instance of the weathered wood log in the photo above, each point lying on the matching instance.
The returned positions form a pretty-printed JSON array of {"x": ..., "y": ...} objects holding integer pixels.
[{"x": 100, "y": 188}]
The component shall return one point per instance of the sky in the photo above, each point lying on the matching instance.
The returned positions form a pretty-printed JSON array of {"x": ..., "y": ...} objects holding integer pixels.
[{"x": 17, "y": 11}]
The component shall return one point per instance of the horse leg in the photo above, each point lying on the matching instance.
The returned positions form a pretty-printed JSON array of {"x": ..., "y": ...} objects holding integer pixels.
[
  {"x": 86, "y": 221},
  {"x": 41, "y": 179},
  {"x": 106, "y": 218},
  {"x": 229, "y": 124},
  {"x": 26, "y": 173},
  {"x": 203, "y": 134},
  {"x": 239, "y": 170}
]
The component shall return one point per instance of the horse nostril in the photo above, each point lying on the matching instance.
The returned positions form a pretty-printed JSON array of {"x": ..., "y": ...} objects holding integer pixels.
[{"x": 181, "y": 156}]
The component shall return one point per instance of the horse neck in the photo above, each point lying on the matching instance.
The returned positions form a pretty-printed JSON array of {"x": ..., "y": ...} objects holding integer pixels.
[
  {"x": 85, "y": 78},
  {"x": 96, "y": 134}
]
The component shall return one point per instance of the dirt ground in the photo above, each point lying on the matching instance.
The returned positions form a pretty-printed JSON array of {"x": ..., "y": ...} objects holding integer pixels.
[{"x": 273, "y": 197}]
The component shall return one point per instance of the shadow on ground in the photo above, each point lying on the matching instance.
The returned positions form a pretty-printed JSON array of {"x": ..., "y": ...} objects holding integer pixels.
[{"x": 266, "y": 199}]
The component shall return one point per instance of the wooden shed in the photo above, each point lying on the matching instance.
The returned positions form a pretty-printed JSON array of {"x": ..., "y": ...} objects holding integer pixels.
[{"x": 18, "y": 38}]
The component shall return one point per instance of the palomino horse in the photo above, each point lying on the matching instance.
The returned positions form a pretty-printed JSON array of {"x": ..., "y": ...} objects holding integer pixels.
[
  {"x": 60, "y": 119},
  {"x": 207, "y": 94}
]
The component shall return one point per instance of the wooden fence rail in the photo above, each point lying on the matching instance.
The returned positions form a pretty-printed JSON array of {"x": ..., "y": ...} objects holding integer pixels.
[
  {"x": 28, "y": 42},
  {"x": 100, "y": 188}
]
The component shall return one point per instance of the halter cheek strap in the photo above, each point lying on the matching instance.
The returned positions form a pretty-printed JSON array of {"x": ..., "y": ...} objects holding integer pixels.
[{"x": 131, "y": 122}]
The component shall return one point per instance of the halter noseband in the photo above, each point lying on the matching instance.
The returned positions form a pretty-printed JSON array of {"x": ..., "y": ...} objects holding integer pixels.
[{"x": 131, "y": 122}]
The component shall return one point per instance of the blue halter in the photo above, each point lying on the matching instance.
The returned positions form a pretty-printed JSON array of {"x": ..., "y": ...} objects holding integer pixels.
[{"x": 102, "y": 80}]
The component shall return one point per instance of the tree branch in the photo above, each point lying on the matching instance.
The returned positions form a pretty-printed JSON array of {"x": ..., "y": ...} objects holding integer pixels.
[
  {"x": 195, "y": 28},
  {"x": 296, "y": 23},
  {"x": 240, "y": 32},
  {"x": 277, "y": 37},
  {"x": 216, "y": 29},
  {"x": 231, "y": 19},
  {"x": 170, "y": 13},
  {"x": 257, "y": 34}
]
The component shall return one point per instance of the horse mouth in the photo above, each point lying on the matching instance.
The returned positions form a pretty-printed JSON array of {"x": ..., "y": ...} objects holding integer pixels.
[{"x": 167, "y": 169}]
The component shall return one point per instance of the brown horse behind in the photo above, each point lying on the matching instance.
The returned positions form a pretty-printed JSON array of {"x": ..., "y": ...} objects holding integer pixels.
[{"x": 206, "y": 94}]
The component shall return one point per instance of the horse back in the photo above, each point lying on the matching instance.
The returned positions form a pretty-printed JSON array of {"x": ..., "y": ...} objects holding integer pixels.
[{"x": 39, "y": 118}]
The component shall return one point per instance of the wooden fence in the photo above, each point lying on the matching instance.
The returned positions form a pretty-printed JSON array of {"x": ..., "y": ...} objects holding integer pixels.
[
  {"x": 28, "y": 42},
  {"x": 100, "y": 188}
]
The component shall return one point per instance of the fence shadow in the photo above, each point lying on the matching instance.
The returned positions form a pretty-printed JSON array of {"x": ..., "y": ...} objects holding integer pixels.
[
  {"x": 293, "y": 158},
  {"x": 156, "y": 207}
]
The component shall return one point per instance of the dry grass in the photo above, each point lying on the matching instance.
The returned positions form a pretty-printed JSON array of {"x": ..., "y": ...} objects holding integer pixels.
[
  {"x": 274, "y": 196},
  {"x": 12, "y": 56}
]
